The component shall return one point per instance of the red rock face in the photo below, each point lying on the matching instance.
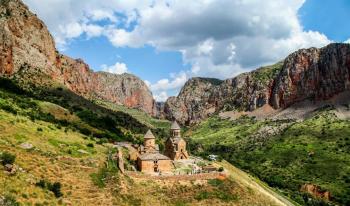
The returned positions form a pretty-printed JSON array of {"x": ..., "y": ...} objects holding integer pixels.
[
  {"x": 313, "y": 74},
  {"x": 125, "y": 89},
  {"x": 6, "y": 62},
  {"x": 28, "y": 52},
  {"x": 308, "y": 74}
]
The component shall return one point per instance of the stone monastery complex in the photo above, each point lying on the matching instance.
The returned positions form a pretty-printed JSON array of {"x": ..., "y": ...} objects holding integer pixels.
[{"x": 151, "y": 160}]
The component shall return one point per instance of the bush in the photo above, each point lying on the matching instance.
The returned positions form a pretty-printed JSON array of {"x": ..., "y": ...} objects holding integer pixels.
[
  {"x": 41, "y": 183},
  {"x": 90, "y": 145},
  {"x": 221, "y": 169},
  {"x": 7, "y": 158},
  {"x": 55, "y": 187},
  {"x": 10, "y": 201}
]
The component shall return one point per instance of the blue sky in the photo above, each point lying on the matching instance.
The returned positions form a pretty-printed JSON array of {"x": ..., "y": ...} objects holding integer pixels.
[
  {"x": 166, "y": 42},
  {"x": 327, "y": 16}
]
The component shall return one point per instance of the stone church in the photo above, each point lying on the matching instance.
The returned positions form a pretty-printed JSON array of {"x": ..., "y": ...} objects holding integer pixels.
[
  {"x": 150, "y": 159},
  {"x": 175, "y": 146}
]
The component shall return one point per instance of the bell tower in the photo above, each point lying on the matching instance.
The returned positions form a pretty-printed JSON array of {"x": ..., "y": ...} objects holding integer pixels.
[
  {"x": 175, "y": 130},
  {"x": 149, "y": 141}
]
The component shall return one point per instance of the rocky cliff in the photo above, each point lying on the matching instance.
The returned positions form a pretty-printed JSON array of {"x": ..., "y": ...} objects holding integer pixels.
[
  {"x": 28, "y": 54},
  {"x": 308, "y": 74}
]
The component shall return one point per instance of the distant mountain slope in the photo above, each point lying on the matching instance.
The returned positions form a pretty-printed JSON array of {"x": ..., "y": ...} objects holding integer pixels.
[
  {"x": 28, "y": 54},
  {"x": 308, "y": 74}
]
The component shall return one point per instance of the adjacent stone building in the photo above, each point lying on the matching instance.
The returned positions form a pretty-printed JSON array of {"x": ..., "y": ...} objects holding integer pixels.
[
  {"x": 154, "y": 162},
  {"x": 150, "y": 160},
  {"x": 175, "y": 146}
]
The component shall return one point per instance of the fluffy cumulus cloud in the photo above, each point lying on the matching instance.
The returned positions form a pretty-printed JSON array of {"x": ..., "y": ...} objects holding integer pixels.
[
  {"x": 163, "y": 86},
  {"x": 219, "y": 38},
  {"x": 347, "y": 41},
  {"x": 118, "y": 68}
]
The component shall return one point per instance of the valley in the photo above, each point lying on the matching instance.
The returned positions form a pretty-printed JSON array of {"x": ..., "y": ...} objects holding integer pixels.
[{"x": 70, "y": 135}]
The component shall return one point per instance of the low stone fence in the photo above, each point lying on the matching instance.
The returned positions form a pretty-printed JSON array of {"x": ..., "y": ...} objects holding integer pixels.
[{"x": 202, "y": 176}]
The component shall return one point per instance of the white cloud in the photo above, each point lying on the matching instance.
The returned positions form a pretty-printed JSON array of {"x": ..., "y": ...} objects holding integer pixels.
[
  {"x": 118, "y": 68},
  {"x": 177, "y": 81},
  {"x": 347, "y": 41},
  {"x": 98, "y": 15},
  {"x": 163, "y": 87},
  {"x": 93, "y": 30},
  {"x": 218, "y": 38},
  {"x": 161, "y": 97}
]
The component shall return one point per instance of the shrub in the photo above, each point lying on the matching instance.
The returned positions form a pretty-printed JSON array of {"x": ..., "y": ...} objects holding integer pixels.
[
  {"x": 7, "y": 158},
  {"x": 8, "y": 108},
  {"x": 39, "y": 129},
  {"x": 90, "y": 145},
  {"x": 202, "y": 195},
  {"x": 41, "y": 183},
  {"x": 55, "y": 187},
  {"x": 221, "y": 169},
  {"x": 215, "y": 182},
  {"x": 10, "y": 201}
]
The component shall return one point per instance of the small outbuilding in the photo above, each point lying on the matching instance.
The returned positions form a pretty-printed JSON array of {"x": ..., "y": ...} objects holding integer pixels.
[
  {"x": 149, "y": 159},
  {"x": 154, "y": 162}
]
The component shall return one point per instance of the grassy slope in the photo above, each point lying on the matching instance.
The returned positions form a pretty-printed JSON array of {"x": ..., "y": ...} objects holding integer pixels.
[
  {"x": 137, "y": 114},
  {"x": 56, "y": 158},
  {"x": 314, "y": 151},
  {"x": 63, "y": 152}
]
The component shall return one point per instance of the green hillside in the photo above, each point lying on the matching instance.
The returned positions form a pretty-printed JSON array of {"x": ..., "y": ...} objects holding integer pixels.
[
  {"x": 64, "y": 108},
  {"x": 62, "y": 156},
  {"x": 316, "y": 151}
]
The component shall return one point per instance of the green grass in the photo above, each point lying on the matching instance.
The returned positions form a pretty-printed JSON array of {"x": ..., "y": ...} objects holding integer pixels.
[
  {"x": 137, "y": 114},
  {"x": 265, "y": 74},
  {"x": 224, "y": 132},
  {"x": 314, "y": 151}
]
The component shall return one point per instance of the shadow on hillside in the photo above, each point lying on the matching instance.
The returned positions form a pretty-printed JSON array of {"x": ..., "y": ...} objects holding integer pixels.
[{"x": 110, "y": 123}]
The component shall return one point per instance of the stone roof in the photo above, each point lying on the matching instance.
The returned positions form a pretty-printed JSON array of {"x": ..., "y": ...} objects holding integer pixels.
[
  {"x": 149, "y": 135},
  {"x": 153, "y": 156},
  {"x": 175, "y": 126}
]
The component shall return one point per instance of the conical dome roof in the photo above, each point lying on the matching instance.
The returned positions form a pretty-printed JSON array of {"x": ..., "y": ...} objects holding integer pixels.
[
  {"x": 175, "y": 126},
  {"x": 149, "y": 135}
]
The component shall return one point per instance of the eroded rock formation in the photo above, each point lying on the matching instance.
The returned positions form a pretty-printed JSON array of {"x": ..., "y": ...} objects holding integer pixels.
[
  {"x": 28, "y": 54},
  {"x": 308, "y": 74}
]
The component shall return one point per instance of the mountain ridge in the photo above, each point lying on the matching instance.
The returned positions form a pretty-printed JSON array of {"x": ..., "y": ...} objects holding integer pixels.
[
  {"x": 30, "y": 56},
  {"x": 314, "y": 74}
]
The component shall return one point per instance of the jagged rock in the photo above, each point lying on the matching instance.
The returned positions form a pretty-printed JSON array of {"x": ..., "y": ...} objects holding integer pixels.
[
  {"x": 28, "y": 54},
  {"x": 308, "y": 74}
]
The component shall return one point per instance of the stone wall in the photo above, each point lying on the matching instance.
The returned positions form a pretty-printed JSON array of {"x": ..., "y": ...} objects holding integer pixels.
[{"x": 148, "y": 165}]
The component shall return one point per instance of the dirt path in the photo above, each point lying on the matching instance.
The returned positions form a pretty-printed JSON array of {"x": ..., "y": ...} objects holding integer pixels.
[{"x": 244, "y": 179}]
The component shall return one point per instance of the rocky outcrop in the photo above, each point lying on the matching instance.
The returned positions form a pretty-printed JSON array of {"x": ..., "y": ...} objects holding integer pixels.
[
  {"x": 314, "y": 74},
  {"x": 308, "y": 74},
  {"x": 124, "y": 89},
  {"x": 316, "y": 191},
  {"x": 201, "y": 97},
  {"x": 28, "y": 54}
]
